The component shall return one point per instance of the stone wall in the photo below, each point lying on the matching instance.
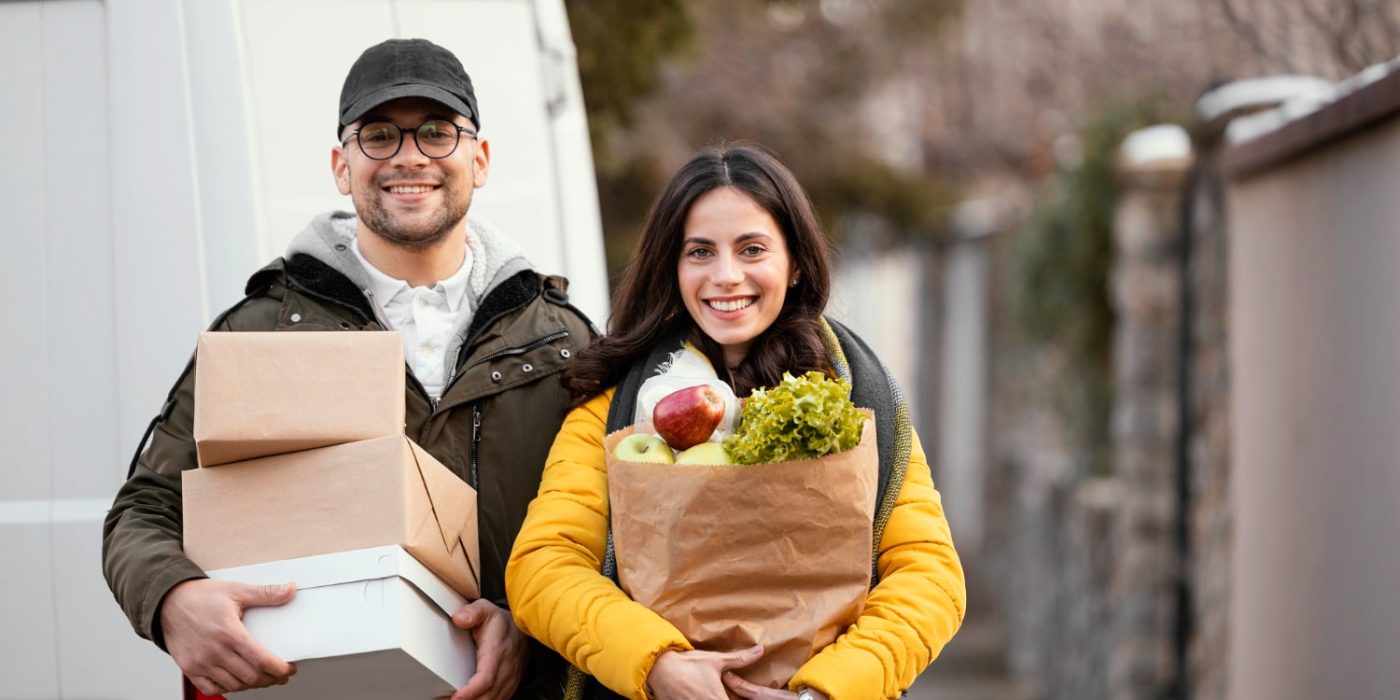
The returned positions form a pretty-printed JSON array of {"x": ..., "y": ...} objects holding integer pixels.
[
  {"x": 1207, "y": 457},
  {"x": 1146, "y": 293}
]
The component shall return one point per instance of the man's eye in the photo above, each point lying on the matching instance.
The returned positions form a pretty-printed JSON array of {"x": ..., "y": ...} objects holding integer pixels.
[
  {"x": 377, "y": 134},
  {"x": 435, "y": 131}
]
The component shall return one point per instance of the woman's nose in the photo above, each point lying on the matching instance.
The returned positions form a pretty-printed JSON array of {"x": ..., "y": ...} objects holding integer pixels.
[{"x": 727, "y": 271}]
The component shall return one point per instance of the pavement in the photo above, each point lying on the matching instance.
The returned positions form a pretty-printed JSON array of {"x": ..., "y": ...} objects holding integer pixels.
[{"x": 971, "y": 667}]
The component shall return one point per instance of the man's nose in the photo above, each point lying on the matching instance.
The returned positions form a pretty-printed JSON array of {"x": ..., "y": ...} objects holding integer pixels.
[{"x": 410, "y": 155}]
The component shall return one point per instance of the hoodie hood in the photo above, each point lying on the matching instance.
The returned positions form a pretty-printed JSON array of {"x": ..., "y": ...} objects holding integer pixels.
[{"x": 495, "y": 258}]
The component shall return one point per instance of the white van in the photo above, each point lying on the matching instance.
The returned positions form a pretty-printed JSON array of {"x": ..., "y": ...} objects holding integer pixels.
[{"x": 156, "y": 154}]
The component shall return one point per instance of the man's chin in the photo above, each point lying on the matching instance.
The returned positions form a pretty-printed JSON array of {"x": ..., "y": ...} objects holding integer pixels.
[
  {"x": 418, "y": 236},
  {"x": 413, "y": 240}
]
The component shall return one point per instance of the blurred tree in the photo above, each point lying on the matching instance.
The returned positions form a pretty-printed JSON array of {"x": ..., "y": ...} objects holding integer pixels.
[
  {"x": 829, "y": 86},
  {"x": 1332, "y": 38},
  {"x": 621, "y": 48},
  {"x": 1059, "y": 273}
]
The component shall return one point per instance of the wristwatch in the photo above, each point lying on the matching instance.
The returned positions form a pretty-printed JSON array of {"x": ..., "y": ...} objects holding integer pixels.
[{"x": 806, "y": 694}]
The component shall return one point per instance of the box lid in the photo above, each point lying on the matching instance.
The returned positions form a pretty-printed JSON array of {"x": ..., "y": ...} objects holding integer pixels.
[{"x": 347, "y": 567}]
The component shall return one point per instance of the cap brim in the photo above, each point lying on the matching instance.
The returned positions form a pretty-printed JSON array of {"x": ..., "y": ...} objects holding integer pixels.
[{"x": 362, "y": 106}]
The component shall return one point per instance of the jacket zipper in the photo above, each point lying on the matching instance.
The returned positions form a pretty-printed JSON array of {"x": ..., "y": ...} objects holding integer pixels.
[
  {"x": 472, "y": 452},
  {"x": 476, "y": 442}
]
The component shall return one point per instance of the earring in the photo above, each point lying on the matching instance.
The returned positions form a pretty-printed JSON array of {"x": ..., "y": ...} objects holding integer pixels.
[{"x": 793, "y": 283}]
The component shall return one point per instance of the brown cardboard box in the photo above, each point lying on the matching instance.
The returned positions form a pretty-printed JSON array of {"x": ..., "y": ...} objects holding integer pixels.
[
  {"x": 260, "y": 394},
  {"x": 386, "y": 491}
]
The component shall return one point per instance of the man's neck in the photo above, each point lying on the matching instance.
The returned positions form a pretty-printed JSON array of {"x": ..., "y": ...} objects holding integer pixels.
[{"x": 422, "y": 267}]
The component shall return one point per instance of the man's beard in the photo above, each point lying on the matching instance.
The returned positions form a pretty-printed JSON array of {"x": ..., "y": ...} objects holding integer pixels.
[{"x": 399, "y": 232}]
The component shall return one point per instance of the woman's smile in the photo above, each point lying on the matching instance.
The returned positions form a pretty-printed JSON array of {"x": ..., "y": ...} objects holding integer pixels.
[{"x": 730, "y": 305}]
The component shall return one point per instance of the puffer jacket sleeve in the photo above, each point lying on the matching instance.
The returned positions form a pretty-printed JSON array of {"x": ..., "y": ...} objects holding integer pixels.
[
  {"x": 142, "y": 554},
  {"x": 910, "y": 614},
  {"x": 556, "y": 592}
]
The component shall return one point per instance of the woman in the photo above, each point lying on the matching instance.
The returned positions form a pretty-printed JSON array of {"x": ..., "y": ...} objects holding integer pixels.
[{"x": 732, "y": 260}]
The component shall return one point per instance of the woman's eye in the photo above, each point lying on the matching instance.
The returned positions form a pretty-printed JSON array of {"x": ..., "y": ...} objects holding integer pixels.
[
  {"x": 753, "y": 250},
  {"x": 699, "y": 253}
]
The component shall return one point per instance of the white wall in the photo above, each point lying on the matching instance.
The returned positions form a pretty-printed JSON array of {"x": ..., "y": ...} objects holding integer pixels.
[
  {"x": 1314, "y": 269},
  {"x": 160, "y": 151}
]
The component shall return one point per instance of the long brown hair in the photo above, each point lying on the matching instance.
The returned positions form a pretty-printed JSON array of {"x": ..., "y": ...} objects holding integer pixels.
[{"x": 648, "y": 308}]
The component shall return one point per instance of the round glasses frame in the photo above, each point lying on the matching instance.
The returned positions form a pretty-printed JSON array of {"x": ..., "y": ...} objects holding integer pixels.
[{"x": 426, "y": 130}]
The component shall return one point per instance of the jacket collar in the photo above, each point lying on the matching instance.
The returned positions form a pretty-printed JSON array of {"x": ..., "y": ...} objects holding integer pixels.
[
  {"x": 311, "y": 276},
  {"x": 329, "y": 237}
]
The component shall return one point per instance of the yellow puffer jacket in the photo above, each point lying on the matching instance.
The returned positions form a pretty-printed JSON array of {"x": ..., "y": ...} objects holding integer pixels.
[{"x": 558, "y": 596}]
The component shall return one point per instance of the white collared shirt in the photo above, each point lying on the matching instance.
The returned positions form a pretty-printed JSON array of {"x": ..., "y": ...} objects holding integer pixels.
[{"x": 425, "y": 316}]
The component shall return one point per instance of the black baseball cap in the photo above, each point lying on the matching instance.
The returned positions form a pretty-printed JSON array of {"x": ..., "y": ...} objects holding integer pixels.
[{"x": 406, "y": 68}]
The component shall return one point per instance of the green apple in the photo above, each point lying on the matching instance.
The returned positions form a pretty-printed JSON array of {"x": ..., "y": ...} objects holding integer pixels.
[
  {"x": 705, "y": 453},
  {"x": 642, "y": 447}
]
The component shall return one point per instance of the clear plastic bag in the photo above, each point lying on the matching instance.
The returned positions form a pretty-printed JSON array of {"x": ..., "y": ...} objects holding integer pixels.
[{"x": 686, "y": 369}]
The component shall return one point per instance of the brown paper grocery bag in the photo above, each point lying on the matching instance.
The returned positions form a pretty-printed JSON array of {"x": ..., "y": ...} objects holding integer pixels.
[{"x": 737, "y": 555}]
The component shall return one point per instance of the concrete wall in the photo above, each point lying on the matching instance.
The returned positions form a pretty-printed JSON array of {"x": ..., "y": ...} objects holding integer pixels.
[{"x": 1315, "y": 335}]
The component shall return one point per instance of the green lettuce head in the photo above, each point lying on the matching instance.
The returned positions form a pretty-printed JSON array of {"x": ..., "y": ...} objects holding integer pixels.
[{"x": 801, "y": 418}]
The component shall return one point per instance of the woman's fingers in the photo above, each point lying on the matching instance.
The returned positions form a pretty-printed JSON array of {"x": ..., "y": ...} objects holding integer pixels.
[
  {"x": 740, "y": 659},
  {"x": 745, "y": 689}
]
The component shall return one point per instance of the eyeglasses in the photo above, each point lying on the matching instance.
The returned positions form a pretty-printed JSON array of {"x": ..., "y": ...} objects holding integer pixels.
[{"x": 435, "y": 138}]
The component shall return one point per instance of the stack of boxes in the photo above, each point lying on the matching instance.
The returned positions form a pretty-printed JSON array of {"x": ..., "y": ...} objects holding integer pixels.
[{"x": 306, "y": 475}]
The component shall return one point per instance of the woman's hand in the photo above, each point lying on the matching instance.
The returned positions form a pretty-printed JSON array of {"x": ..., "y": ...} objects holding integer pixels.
[
  {"x": 696, "y": 674},
  {"x": 745, "y": 689}
]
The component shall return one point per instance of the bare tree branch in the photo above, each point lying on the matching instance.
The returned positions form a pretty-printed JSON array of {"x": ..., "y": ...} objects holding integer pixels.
[
  {"x": 1245, "y": 28},
  {"x": 1388, "y": 17}
]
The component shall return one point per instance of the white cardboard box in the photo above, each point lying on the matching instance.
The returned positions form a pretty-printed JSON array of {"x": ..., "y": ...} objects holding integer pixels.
[{"x": 367, "y": 624}]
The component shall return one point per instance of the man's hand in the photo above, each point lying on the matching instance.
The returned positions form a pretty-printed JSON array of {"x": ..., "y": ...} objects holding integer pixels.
[
  {"x": 501, "y": 651},
  {"x": 745, "y": 689},
  {"x": 696, "y": 674},
  {"x": 202, "y": 620}
]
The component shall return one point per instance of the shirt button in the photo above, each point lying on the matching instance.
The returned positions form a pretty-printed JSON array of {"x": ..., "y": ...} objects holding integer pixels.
[
  {"x": 425, "y": 351},
  {"x": 422, "y": 303}
]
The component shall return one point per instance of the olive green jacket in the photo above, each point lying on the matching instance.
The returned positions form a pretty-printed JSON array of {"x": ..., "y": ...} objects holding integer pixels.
[{"x": 493, "y": 426}]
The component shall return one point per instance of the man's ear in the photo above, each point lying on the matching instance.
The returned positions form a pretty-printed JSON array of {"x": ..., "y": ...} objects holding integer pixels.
[
  {"x": 482, "y": 162},
  {"x": 340, "y": 169}
]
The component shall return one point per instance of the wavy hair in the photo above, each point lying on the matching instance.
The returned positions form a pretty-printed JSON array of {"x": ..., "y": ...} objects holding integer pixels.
[{"x": 647, "y": 307}]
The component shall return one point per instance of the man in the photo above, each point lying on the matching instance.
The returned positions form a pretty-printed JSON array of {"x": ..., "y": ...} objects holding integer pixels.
[{"x": 484, "y": 335}]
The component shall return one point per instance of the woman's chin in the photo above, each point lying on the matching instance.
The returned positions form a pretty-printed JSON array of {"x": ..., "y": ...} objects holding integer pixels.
[{"x": 729, "y": 337}]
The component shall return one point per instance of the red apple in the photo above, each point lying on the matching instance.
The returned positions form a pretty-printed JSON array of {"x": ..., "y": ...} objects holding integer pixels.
[{"x": 688, "y": 416}]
